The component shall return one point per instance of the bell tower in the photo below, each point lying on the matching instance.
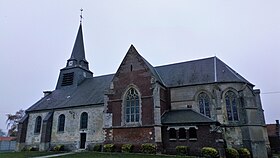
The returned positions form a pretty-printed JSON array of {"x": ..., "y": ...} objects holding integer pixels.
[{"x": 76, "y": 69}]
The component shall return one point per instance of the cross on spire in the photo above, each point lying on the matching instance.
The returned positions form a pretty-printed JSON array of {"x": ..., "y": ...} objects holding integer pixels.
[{"x": 81, "y": 15}]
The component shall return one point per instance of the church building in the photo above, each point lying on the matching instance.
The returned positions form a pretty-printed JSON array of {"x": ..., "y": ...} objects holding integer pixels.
[{"x": 199, "y": 103}]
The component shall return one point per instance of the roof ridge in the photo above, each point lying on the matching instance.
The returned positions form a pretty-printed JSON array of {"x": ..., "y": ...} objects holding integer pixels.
[{"x": 189, "y": 61}]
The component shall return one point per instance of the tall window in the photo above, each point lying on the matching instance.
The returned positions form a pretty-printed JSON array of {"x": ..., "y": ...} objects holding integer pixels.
[
  {"x": 38, "y": 123},
  {"x": 182, "y": 133},
  {"x": 231, "y": 105},
  {"x": 84, "y": 120},
  {"x": 172, "y": 133},
  {"x": 132, "y": 107},
  {"x": 192, "y": 133},
  {"x": 61, "y": 123},
  {"x": 204, "y": 104}
]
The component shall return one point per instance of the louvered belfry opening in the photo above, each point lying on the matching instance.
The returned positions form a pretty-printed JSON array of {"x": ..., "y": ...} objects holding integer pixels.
[{"x": 67, "y": 79}]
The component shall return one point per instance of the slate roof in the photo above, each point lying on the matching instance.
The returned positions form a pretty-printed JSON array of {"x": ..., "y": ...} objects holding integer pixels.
[
  {"x": 153, "y": 70},
  {"x": 186, "y": 116},
  {"x": 89, "y": 92},
  {"x": 203, "y": 71},
  {"x": 78, "y": 51}
]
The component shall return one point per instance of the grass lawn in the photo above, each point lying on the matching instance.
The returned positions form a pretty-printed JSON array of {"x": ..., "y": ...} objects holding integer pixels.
[
  {"x": 28, "y": 154},
  {"x": 25, "y": 154},
  {"x": 116, "y": 155}
]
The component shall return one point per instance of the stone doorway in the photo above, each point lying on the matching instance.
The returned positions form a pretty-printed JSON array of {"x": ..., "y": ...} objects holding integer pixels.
[{"x": 83, "y": 140}]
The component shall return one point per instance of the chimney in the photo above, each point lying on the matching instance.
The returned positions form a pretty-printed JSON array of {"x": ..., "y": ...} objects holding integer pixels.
[
  {"x": 277, "y": 128},
  {"x": 46, "y": 93}
]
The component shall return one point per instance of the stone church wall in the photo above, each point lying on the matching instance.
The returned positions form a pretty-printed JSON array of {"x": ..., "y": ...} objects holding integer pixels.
[
  {"x": 71, "y": 135},
  {"x": 31, "y": 137},
  {"x": 248, "y": 131}
]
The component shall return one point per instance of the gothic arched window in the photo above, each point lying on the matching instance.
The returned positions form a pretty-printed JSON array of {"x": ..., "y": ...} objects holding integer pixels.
[
  {"x": 132, "y": 107},
  {"x": 84, "y": 120},
  {"x": 38, "y": 123},
  {"x": 204, "y": 104},
  {"x": 61, "y": 123},
  {"x": 231, "y": 105}
]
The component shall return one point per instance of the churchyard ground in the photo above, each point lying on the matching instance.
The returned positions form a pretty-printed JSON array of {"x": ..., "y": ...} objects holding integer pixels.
[{"x": 28, "y": 154}]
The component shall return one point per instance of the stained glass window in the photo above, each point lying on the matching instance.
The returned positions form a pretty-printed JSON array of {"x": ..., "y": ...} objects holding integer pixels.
[
  {"x": 132, "y": 108},
  {"x": 231, "y": 105},
  {"x": 204, "y": 104}
]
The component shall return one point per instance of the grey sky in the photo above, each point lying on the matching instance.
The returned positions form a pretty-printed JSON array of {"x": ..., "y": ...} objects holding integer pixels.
[{"x": 37, "y": 37}]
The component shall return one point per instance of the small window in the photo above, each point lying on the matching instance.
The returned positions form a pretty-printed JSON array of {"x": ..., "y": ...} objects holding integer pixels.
[
  {"x": 61, "y": 123},
  {"x": 172, "y": 133},
  {"x": 192, "y": 133},
  {"x": 38, "y": 123},
  {"x": 182, "y": 133},
  {"x": 84, "y": 120},
  {"x": 231, "y": 105}
]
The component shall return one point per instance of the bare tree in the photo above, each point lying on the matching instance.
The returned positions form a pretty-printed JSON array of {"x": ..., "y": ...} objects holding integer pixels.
[{"x": 12, "y": 122}]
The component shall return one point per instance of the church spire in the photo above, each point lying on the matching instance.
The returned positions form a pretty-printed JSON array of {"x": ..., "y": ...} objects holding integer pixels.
[
  {"x": 77, "y": 69},
  {"x": 78, "y": 53}
]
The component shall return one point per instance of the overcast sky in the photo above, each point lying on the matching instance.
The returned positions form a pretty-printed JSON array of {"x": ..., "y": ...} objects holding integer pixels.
[{"x": 37, "y": 37}]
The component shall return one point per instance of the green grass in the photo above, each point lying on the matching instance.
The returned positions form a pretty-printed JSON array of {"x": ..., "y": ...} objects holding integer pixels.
[
  {"x": 276, "y": 155},
  {"x": 25, "y": 154},
  {"x": 116, "y": 155},
  {"x": 86, "y": 154}
]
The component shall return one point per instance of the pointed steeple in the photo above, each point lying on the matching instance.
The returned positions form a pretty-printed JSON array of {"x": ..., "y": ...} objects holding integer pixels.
[
  {"x": 77, "y": 68},
  {"x": 78, "y": 53}
]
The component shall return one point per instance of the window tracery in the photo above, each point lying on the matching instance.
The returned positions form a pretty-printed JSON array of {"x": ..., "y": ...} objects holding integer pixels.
[
  {"x": 204, "y": 104},
  {"x": 132, "y": 107},
  {"x": 231, "y": 106}
]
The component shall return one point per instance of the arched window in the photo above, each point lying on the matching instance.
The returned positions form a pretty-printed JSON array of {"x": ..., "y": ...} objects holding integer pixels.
[
  {"x": 38, "y": 123},
  {"x": 192, "y": 133},
  {"x": 61, "y": 123},
  {"x": 182, "y": 133},
  {"x": 231, "y": 105},
  {"x": 204, "y": 104},
  {"x": 84, "y": 120},
  {"x": 172, "y": 133},
  {"x": 132, "y": 108}
]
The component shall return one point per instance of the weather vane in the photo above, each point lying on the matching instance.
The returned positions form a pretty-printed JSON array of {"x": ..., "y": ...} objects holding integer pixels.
[{"x": 81, "y": 16}]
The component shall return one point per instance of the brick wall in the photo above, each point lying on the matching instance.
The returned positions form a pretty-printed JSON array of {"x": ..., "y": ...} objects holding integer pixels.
[{"x": 204, "y": 138}]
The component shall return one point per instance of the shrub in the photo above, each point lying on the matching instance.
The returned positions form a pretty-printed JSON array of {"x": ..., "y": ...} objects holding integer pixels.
[
  {"x": 33, "y": 148},
  {"x": 182, "y": 150},
  {"x": 24, "y": 148},
  {"x": 58, "y": 148},
  {"x": 97, "y": 147},
  {"x": 232, "y": 153},
  {"x": 109, "y": 148},
  {"x": 244, "y": 153},
  {"x": 148, "y": 148},
  {"x": 209, "y": 152},
  {"x": 127, "y": 148}
]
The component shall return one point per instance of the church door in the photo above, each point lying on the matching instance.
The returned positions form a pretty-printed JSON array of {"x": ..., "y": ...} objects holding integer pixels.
[{"x": 83, "y": 140}]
